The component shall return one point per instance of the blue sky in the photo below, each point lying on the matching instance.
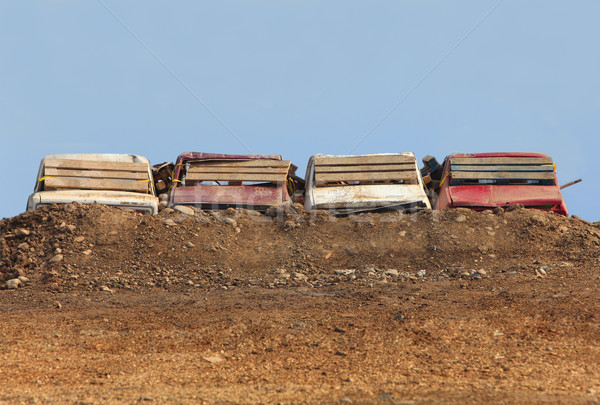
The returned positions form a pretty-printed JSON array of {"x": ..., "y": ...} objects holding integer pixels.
[{"x": 297, "y": 78}]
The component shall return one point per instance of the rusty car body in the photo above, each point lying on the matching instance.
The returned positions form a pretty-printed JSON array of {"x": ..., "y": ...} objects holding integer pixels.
[
  {"x": 215, "y": 181},
  {"x": 483, "y": 181}
]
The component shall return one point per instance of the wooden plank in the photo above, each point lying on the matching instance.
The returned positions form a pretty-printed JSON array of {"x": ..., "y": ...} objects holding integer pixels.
[
  {"x": 95, "y": 165},
  {"x": 501, "y": 168},
  {"x": 503, "y": 175},
  {"x": 95, "y": 184},
  {"x": 363, "y": 160},
  {"x": 228, "y": 169},
  {"x": 242, "y": 163},
  {"x": 100, "y": 174},
  {"x": 257, "y": 177},
  {"x": 365, "y": 168},
  {"x": 502, "y": 161},
  {"x": 365, "y": 176}
]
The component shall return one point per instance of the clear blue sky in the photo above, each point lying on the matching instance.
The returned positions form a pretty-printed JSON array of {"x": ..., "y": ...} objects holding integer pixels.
[{"x": 298, "y": 78}]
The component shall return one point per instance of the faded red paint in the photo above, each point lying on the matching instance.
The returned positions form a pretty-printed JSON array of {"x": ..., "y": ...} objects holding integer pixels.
[
  {"x": 208, "y": 196},
  {"x": 488, "y": 196}
]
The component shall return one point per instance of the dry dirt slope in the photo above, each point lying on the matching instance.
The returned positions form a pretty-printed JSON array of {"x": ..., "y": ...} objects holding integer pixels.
[{"x": 239, "y": 307}]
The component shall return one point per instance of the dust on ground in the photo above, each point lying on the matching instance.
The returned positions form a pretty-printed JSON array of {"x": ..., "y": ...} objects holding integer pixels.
[{"x": 107, "y": 305}]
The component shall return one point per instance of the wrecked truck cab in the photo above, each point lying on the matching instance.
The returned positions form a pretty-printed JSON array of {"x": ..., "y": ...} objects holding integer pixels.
[
  {"x": 213, "y": 181},
  {"x": 118, "y": 180},
  {"x": 482, "y": 181},
  {"x": 346, "y": 184}
]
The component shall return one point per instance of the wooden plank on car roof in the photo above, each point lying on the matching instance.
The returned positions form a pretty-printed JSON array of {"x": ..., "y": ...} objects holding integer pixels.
[
  {"x": 363, "y": 160},
  {"x": 100, "y": 174},
  {"x": 237, "y": 169},
  {"x": 502, "y": 168},
  {"x": 254, "y": 177},
  {"x": 365, "y": 176},
  {"x": 502, "y": 160},
  {"x": 95, "y": 184},
  {"x": 366, "y": 168},
  {"x": 502, "y": 175},
  {"x": 242, "y": 163},
  {"x": 95, "y": 164}
]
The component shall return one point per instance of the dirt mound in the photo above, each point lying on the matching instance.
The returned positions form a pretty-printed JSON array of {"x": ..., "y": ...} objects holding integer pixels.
[{"x": 77, "y": 247}]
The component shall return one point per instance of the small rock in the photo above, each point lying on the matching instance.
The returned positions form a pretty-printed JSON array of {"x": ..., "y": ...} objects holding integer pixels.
[
  {"x": 214, "y": 359},
  {"x": 498, "y": 211},
  {"x": 163, "y": 197},
  {"x": 23, "y": 232},
  {"x": 184, "y": 210},
  {"x": 542, "y": 271},
  {"x": 57, "y": 251},
  {"x": 514, "y": 207},
  {"x": 460, "y": 218},
  {"x": 229, "y": 221},
  {"x": 71, "y": 228},
  {"x": 87, "y": 252},
  {"x": 299, "y": 276},
  {"x": 392, "y": 272},
  {"x": 482, "y": 272},
  {"x": 23, "y": 246},
  {"x": 370, "y": 270},
  {"x": 57, "y": 305},
  {"x": 162, "y": 205},
  {"x": 13, "y": 283},
  {"x": 168, "y": 211},
  {"x": 23, "y": 279},
  {"x": 465, "y": 274},
  {"x": 169, "y": 222},
  {"x": 237, "y": 229},
  {"x": 78, "y": 239},
  {"x": 344, "y": 272},
  {"x": 189, "y": 245},
  {"x": 105, "y": 289},
  {"x": 56, "y": 259}
]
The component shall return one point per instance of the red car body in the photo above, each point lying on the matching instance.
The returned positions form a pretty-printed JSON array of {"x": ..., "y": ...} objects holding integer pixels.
[
  {"x": 259, "y": 196},
  {"x": 513, "y": 178}
]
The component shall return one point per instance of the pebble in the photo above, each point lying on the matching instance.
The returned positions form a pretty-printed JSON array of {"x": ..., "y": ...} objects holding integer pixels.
[
  {"x": 392, "y": 272},
  {"x": 13, "y": 283},
  {"x": 105, "y": 288},
  {"x": 237, "y": 230},
  {"x": 57, "y": 251},
  {"x": 168, "y": 210},
  {"x": 162, "y": 205},
  {"x": 23, "y": 246},
  {"x": 87, "y": 252},
  {"x": 542, "y": 271},
  {"x": 23, "y": 232},
  {"x": 23, "y": 279},
  {"x": 461, "y": 218},
  {"x": 56, "y": 259},
  {"x": 229, "y": 221},
  {"x": 299, "y": 276},
  {"x": 79, "y": 239},
  {"x": 482, "y": 272},
  {"x": 184, "y": 210},
  {"x": 163, "y": 197},
  {"x": 169, "y": 222},
  {"x": 370, "y": 270},
  {"x": 189, "y": 245}
]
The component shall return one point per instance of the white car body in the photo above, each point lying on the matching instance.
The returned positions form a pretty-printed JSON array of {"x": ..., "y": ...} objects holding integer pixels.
[
  {"x": 364, "y": 197},
  {"x": 144, "y": 202}
]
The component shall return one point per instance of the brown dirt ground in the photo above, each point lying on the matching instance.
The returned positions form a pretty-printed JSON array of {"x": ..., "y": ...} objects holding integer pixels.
[{"x": 238, "y": 307}]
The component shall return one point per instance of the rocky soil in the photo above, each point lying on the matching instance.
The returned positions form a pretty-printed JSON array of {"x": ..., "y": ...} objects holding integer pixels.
[{"x": 107, "y": 305}]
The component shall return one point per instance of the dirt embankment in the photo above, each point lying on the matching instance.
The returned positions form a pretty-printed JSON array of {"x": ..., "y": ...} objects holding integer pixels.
[{"x": 73, "y": 247}]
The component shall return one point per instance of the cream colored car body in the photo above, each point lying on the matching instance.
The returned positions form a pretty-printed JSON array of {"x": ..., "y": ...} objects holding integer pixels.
[
  {"x": 358, "y": 198},
  {"x": 123, "y": 199}
]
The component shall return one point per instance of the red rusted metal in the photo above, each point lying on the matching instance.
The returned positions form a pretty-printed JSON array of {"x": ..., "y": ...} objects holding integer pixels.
[
  {"x": 208, "y": 196},
  {"x": 488, "y": 196}
]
